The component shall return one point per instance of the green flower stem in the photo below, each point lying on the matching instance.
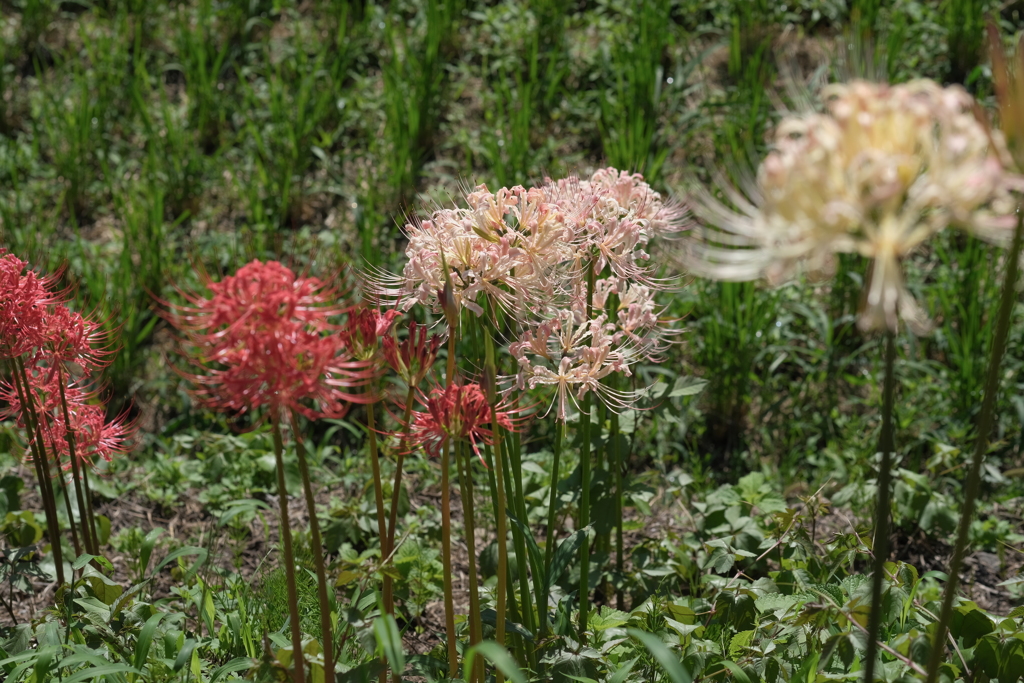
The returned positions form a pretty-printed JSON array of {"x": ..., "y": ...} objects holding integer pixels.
[
  {"x": 289, "y": 557},
  {"x": 88, "y": 507},
  {"x": 316, "y": 550},
  {"x": 880, "y": 546},
  {"x": 446, "y": 526},
  {"x": 91, "y": 541},
  {"x": 585, "y": 481},
  {"x": 40, "y": 461},
  {"x": 986, "y": 420},
  {"x": 499, "y": 512},
  {"x": 515, "y": 468},
  {"x": 71, "y": 515},
  {"x": 446, "y": 556},
  {"x": 616, "y": 463},
  {"x": 524, "y": 649},
  {"x": 378, "y": 495},
  {"x": 389, "y": 548},
  {"x": 464, "y": 463},
  {"x": 549, "y": 540}
]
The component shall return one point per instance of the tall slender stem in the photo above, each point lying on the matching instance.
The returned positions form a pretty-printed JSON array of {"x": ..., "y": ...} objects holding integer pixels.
[
  {"x": 465, "y": 463},
  {"x": 446, "y": 525},
  {"x": 549, "y": 534},
  {"x": 378, "y": 496},
  {"x": 585, "y": 481},
  {"x": 986, "y": 420},
  {"x": 298, "y": 675},
  {"x": 515, "y": 467},
  {"x": 89, "y": 509},
  {"x": 38, "y": 447},
  {"x": 91, "y": 542},
  {"x": 389, "y": 596},
  {"x": 880, "y": 546},
  {"x": 500, "y": 512},
  {"x": 616, "y": 463},
  {"x": 316, "y": 550},
  {"x": 71, "y": 515}
]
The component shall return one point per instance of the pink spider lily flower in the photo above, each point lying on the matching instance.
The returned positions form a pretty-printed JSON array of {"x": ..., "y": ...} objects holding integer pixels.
[
  {"x": 574, "y": 358},
  {"x": 95, "y": 437},
  {"x": 458, "y": 411},
  {"x": 502, "y": 249},
  {"x": 413, "y": 357},
  {"x": 266, "y": 333}
]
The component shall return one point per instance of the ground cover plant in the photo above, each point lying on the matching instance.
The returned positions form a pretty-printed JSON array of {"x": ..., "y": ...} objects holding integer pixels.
[{"x": 529, "y": 341}]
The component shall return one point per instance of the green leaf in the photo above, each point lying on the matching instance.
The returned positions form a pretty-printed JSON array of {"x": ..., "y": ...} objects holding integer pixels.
[
  {"x": 389, "y": 640},
  {"x": 102, "y": 529},
  {"x": 148, "y": 543},
  {"x": 496, "y": 655},
  {"x": 623, "y": 671},
  {"x": 687, "y": 386},
  {"x": 970, "y": 623},
  {"x": 184, "y": 654},
  {"x": 532, "y": 549},
  {"x": 201, "y": 554},
  {"x": 93, "y": 672},
  {"x": 738, "y": 674},
  {"x": 564, "y": 554},
  {"x": 86, "y": 558},
  {"x": 145, "y": 640},
  {"x": 740, "y": 641},
  {"x": 668, "y": 660}
]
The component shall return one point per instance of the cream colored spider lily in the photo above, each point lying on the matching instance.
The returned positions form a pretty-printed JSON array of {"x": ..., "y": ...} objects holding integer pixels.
[{"x": 879, "y": 172}]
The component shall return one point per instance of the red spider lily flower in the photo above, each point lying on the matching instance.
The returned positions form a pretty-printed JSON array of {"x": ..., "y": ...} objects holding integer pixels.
[
  {"x": 363, "y": 332},
  {"x": 24, "y": 300},
  {"x": 412, "y": 357},
  {"x": 72, "y": 338},
  {"x": 458, "y": 412},
  {"x": 95, "y": 437},
  {"x": 267, "y": 332}
]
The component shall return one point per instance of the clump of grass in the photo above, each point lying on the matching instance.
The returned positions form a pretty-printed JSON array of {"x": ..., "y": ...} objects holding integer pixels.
[{"x": 629, "y": 113}]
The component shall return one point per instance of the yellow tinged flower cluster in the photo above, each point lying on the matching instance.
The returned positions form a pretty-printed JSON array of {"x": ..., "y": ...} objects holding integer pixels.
[{"x": 882, "y": 169}]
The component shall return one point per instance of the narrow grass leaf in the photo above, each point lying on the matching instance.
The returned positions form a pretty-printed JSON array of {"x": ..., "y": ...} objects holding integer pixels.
[{"x": 669, "y": 662}]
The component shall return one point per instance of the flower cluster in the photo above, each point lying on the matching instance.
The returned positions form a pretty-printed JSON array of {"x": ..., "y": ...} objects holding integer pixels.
[
  {"x": 531, "y": 251},
  {"x": 48, "y": 343},
  {"x": 264, "y": 338},
  {"x": 94, "y": 436},
  {"x": 878, "y": 172},
  {"x": 459, "y": 412},
  {"x": 517, "y": 245}
]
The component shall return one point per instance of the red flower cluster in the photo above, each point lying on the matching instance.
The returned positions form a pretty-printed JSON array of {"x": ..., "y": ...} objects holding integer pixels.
[
  {"x": 94, "y": 436},
  {"x": 42, "y": 334},
  {"x": 267, "y": 334},
  {"x": 365, "y": 328},
  {"x": 457, "y": 412}
]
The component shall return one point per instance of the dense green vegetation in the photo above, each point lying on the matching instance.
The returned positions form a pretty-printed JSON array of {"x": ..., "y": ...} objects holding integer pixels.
[{"x": 145, "y": 144}]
